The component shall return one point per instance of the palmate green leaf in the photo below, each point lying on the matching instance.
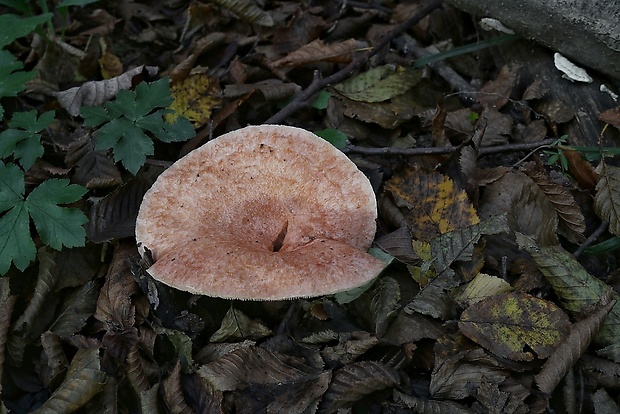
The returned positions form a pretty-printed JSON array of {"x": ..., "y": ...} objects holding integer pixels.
[
  {"x": 132, "y": 149},
  {"x": 153, "y": 95},
  {"x": 14, "y": 27},
  {"x": 23, "y": 139},
  {"x": 57, "y": 226},
  {"x": 577, "y": 289},
  {"x": 607, "y": 199},
  {"x": 94, "y": 115}
]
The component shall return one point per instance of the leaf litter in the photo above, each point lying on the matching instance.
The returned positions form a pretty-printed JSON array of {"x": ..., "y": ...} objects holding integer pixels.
[{"x": 490, "y": 303}]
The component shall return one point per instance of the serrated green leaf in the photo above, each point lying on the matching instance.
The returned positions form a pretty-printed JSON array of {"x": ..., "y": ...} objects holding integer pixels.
[
  {"x": 153, "y": 95},
  {"x": 133, "y": 148},
  {"x": 28, "y": 150},
  {"x": 14, "y": 27},
  {"x": 94, "y": 115},
  {"x": 16, "y": 245},
  {"x": 12, "y": 186},
  {"x": 607, "y": 199},
  {"x": 28, "y": 120},
  {"x": 379, "y": 84},
  {"x": 11, "y": 82},
  {"x": 57, "y": 226},
  {"x": 110, "y": 134},
  {"x": 181, "y": 130},
  {"x": 125, "y": 105}
]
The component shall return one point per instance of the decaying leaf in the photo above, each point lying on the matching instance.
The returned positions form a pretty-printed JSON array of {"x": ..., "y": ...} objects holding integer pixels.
[
  {"x": 93, "y": 169},
  {"x": 433, "y": 203},
  {"x": 577, "y": 289},
  {"x": 354, "y": 381},
  {"x": 77, "y": 307},
  {"x": 253, "y": 365},
  {"x": 56, "y": 359},
  {"x": 350, "y": 347},
  {"x": 272, "y": 89},
  {"x": 95, "y": 93},
  {"x": 195, "y": 97},
  {"x": 247, "y": 10},
  {"x": 512, "y": 324},
  {"x": 496, "y": 93},
  {"x": 83, "y": 381},
  {"x": 379, "y": 304},
  {"x": 611, "y": 116},
  {"x": 237, "y": 326},
  {"x": 7, "y": 301},
  {"x": 423, "y": 406},
  {"x": 114, "y": 216},
  {"x": 379, "y": 84},
  {"x": 607, "y": 199},
  {"x": 173, "y": 392},
  {"x": 573, "y": 346},
  {"x": 571, "y": 218},
  {"x": 135, "y": 370},
  {"x": 481, "y": 287},
  {"x": 581, "y": 170},
  {"x": 318, "y": 51}
]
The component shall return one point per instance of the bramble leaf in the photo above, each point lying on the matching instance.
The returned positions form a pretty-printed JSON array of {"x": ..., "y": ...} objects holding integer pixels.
[{"x": 58, "y": 226}]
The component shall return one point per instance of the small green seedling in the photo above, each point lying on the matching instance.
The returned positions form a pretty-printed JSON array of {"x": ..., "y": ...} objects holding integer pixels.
[
  {"x": 556, "y": 154},
  {"x": 127, "y": 120},
  {"x": 57, "y": 226},
  {"x": 23, "y": 139}
]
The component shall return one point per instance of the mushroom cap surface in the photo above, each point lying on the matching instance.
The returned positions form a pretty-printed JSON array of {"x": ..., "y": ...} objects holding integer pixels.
[{"x": 265, "y": 212}]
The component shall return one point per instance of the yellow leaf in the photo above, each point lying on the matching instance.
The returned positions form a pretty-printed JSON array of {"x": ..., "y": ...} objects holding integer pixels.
[
  {"x": 194, "y": 98},
  {"x": 435, "y": 205}
]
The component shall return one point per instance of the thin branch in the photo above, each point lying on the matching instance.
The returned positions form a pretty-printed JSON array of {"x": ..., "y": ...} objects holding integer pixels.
[
  {"x": 354, "y": 149},
  {"x": 595, "y": 235},
  {"x": 301, "y": 100}
]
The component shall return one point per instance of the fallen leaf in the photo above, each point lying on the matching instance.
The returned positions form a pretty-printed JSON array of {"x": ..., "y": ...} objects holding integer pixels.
[
  {"x": 607, "y": 198},
  {"x": 379, "y": 84},
  {"x": 195, "y": 97},
  {"x": 237, "y": 326},
  {"x": 512, "y": 324},
  {"x": 318, "y": 51},
  {"x": 481, "y": 287}
]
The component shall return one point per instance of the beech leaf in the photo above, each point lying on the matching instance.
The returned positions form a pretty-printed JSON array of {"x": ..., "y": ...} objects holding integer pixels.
[
  {"x": 512, "y": 324},
  {"x": 247, "y": 10},
  {"x": 607, "y": 199},
  {"x": 379, "y": 84},
  {"x": 237, "y": 326}
]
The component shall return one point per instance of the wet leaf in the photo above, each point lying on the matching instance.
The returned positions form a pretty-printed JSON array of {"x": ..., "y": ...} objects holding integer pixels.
[
  {"x": 247, "y": 10},
  {"x": 432, "y": 202},
  {"x": 511, "y": 324},
  {"x": 573, "y": 346},
  {"x": 607, "y": 199},
  {"x": 195, "y": 97},
  {"x": 379, "y": 84},
  {"x": 577, "y": 289},
  {"x": 83, "y": 381},
  {"x": 237, "y": 326},
  {"x": 318, "y": 51},
  {"x": 354, "y": 381},
  {"x": 95, "y": 93}
]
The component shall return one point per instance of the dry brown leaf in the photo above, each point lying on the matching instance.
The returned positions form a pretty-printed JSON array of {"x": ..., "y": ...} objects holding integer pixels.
[
  {"x": 57, "y": 361},
  {"x": 135, "y": 371},
  {"x": 318, "y": 51},
  {"x": 496, "y": 93},
  {"x": 95, "y": 93},
  {"x": 431, "y": 202},
  {"x": 272, "y": 89},
  {"x": 354, "y": 381},
  {"x": 571, "y": 218},
  {"x": 581, "y": 170},
  {"x": 574, "y": 345},
  {"x": 607, "y": 199},
  {"x": 172, "y": 391},
  {"x": 7, "y": 301},
  {"x": 237, "y": 326},
  {"x": 93, "y": 169},
  {"x": 611, "y": 116},
  {"x": 422, "y": 405}
]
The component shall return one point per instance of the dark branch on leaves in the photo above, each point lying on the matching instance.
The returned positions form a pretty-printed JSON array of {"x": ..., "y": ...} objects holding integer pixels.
[
  {"x": 350, "y": 149},
  {"x": 300, "y": 101}
]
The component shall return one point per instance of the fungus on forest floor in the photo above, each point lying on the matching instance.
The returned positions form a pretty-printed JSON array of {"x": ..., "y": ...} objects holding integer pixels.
[{"x": 261, "y": 213}]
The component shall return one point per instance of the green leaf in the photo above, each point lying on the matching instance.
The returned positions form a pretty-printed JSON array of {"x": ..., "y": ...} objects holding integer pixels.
[
  {"x": 334, "y": 136},
  {"x": 153, "y": 95},
  {"x": 58, "y": 226},
  {"x": 67, "y": 3},
  {"x": 110, "y": 134},
  {"x": 23, "y": 141},
  {"x": 94, "y": 115},
  {"x": 16, "y": 245},
  {"x": 19, "y": 5},
  {"x": 133, "y": 148},
  {"x": 322, "y": 100},
  {"x": 12, "y": 186},
  {"x": 181, "y": 130},
  {"x": 14, "y": 27}
]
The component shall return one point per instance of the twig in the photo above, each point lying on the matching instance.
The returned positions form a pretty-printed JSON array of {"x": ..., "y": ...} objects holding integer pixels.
[
  {"x": 600, "y": 230},
  {"x": 318, "y": 83},
  {"x": 350, "y": 149}
]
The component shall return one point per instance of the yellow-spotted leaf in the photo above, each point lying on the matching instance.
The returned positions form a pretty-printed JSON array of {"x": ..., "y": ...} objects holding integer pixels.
[
  {"x": 481, "y": 287},
  {"x": 516, "y": 326},
  {"x": 431, "y": 203},
  {"x": 194, "y": 98},
  {"x": 379, "y": 84}
]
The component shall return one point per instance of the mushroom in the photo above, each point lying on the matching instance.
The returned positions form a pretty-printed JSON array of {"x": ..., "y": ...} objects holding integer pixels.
[{"x": 265, "y": 212}]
